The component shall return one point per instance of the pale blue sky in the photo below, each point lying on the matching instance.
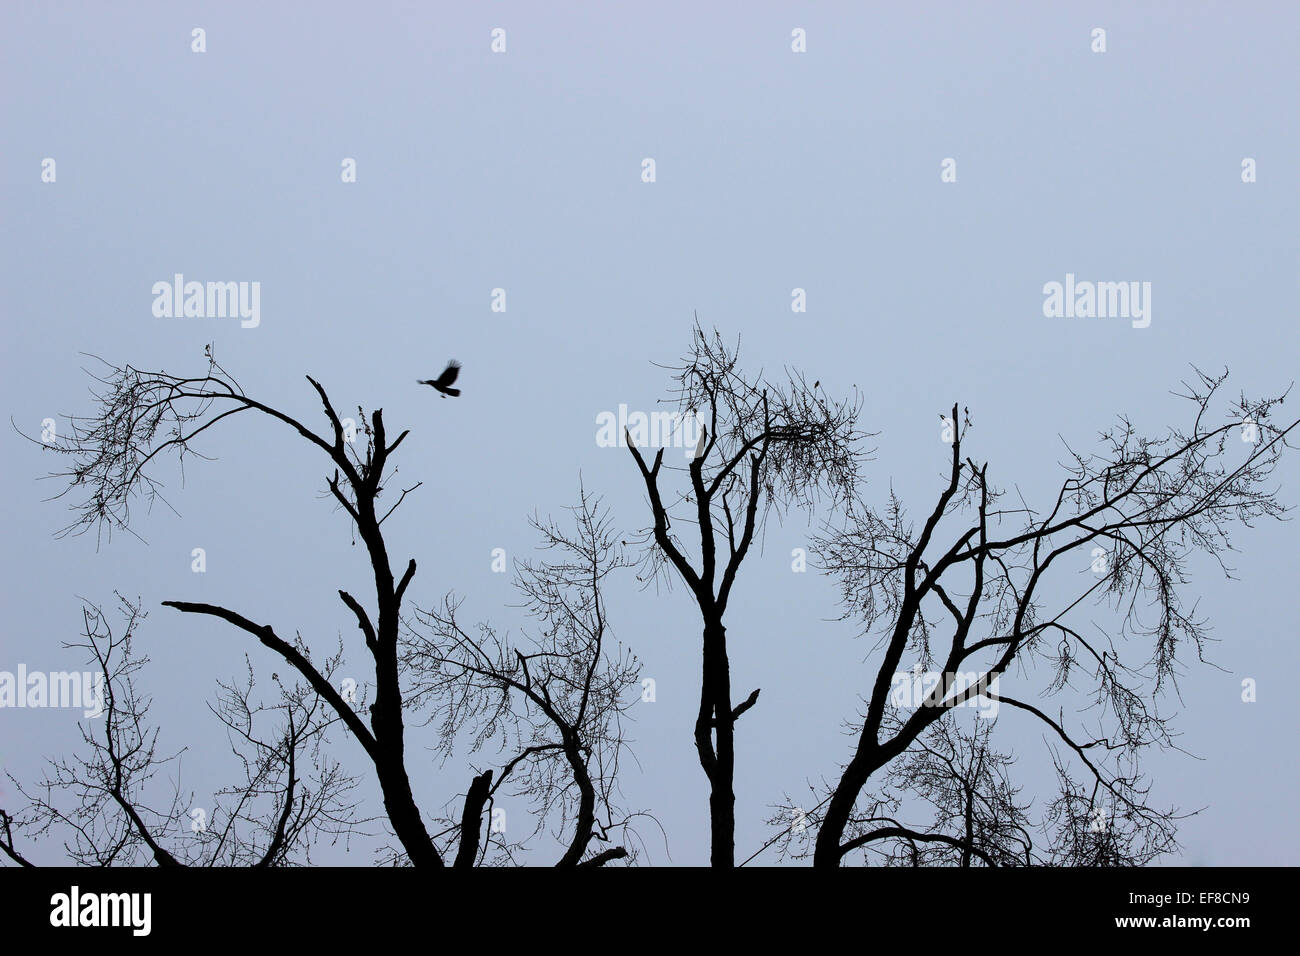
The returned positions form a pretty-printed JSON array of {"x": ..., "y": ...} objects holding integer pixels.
[{"x": 522, "y": 171}]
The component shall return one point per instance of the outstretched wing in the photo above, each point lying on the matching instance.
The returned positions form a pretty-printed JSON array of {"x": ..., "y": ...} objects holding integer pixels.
[{"x": 449, "y": 374}]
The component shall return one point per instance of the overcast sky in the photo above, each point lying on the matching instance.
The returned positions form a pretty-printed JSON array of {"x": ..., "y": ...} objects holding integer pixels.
[{"x": 522, "y": 170}]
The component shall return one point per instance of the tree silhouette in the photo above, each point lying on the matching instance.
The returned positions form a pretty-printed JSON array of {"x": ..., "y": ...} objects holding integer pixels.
[
  {"x": 984, "y": 586},
  {"x": 143, "y": 415},
  {"x": 764, "y": 446},
  {"x": 559, "y": 695},
  {"x": 291, "y": 794},
  {"x": 990, "y": 597}
]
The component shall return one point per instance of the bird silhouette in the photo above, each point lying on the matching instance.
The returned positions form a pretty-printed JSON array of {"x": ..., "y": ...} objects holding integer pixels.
[{"x": 443, "y": 382}]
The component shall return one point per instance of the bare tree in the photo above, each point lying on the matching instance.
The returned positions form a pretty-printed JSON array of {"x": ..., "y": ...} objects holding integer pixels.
[
  {"x": 144, "y": 415},
  {"x": 1136, "y": 512},
  {"x": 555, "y": 699},
  {"x": 291, "y": 794},
  {"x": 976, "y": 816},
  {"x": 763, "y": 446},
  {"x": 977, "y": 589}
]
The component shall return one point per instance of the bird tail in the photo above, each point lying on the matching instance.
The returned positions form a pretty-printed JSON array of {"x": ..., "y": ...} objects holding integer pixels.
[{"x": 453, "y": 392}]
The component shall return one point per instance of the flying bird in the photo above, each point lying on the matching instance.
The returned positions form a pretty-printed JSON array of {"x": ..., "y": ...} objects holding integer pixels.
[{"x": 443, "y": 382}]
